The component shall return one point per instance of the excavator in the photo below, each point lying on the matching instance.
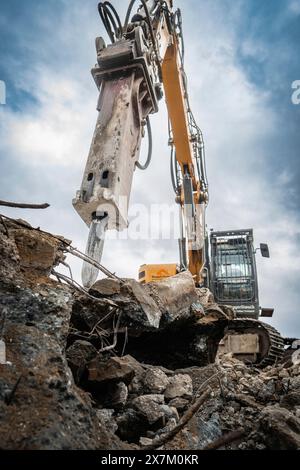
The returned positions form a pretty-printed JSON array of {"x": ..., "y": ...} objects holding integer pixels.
[{"x": 143, "y": 63}]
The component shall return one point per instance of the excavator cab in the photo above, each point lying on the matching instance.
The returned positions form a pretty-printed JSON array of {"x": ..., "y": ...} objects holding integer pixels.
[{"x": 233, "y": 271}]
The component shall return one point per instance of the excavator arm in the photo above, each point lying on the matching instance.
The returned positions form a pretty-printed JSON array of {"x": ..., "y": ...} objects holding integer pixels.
[
  {"x": 145, "y": 55},
  {"x": 191, "y": 185}
]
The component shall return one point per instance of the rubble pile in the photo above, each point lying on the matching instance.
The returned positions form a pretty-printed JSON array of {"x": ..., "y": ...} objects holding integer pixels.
[
  {"x": 263, "y": 404},
  {"x": 126, "y": 366}
]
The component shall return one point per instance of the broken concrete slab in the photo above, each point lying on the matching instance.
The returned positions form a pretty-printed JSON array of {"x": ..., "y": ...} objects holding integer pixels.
[
  {"x": 151, "y": 312},
  {"x": 174, "y": 296},
  {"x": 180, "y": 386},
  {"x": 144, "y": 310},
  {"x": 145, "y": 307}
]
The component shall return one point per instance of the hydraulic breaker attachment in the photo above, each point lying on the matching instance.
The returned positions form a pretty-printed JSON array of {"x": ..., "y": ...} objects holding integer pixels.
[
  {"x": 107, "y": 178},
  {"x": 128, "y": 94}
]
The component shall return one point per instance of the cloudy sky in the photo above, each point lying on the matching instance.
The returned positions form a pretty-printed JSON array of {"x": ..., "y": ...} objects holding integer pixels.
[{"x": 242, "y": 57}]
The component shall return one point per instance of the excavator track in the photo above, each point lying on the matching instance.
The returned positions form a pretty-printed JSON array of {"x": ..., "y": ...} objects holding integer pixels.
[{"x": 271, "y": 342}]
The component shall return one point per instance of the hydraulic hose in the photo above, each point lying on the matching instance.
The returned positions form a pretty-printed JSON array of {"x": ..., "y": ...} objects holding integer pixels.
[{"x": 150, "y": 147}]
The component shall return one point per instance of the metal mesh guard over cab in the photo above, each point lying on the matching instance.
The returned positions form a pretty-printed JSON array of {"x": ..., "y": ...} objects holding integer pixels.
[{"x": 233, "y": 271}]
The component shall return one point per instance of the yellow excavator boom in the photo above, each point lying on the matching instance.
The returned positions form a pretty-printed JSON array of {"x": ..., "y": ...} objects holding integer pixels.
[{"x": 146, "y": 57}]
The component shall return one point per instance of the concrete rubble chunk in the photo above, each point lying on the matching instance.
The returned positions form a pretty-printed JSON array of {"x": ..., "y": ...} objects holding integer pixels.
[
  {"x": 295, "y": 383},
  {"x": 213, "y": 312},
  {"x": 106, "y": 416},
  {"x": 296, "y": 358},
  {"x": 205, "y": 297},
  {"x": 291, "y": 400},
  {"x": 155, "y": 381},
  {"x": 10, "y": 271},
  {"x": 170, "y": 412},
  {"x": 181, "y": 404},
  {"x": 106, "y": 287},
  {"x": 38, "y": 252},
  {"x": 151, "y": 312},
  {"x": 131, "y": 425},
  {"x": 180, "y": 386},
  {"x": 283, "y": 428},
  {"x": 136, "y": 386},
  {"x": 117, "y": 395},
  {"x": 2, "y": 352},
  {"x": 150, "y": 406},
  {"x": 116, "y": 369},
  {"x": 79, "y": 354},
  {"x": 175, "y": 296}
]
